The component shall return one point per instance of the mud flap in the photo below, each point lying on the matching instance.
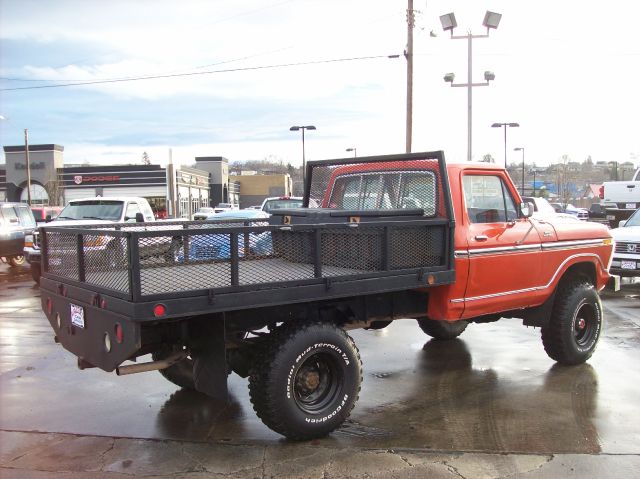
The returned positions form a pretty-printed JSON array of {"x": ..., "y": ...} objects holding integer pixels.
[{"x": 209, "y": 355}]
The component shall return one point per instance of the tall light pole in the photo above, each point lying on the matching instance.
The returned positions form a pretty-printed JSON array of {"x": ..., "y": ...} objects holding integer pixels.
[
  {"x": 505, "y": 125},
  {"x": 521, "y": 148},
  {"x": 26, "y": 155},
  {"x": 304, "y": 162},
  {"x": 355, "y": 153},
  {"x": 448, "y": 21},
  {"x": 411, "y": 18}
]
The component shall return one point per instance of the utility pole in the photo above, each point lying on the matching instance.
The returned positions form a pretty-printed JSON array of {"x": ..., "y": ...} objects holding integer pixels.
[
  {"x": 26, "y": 154},
  {"x": 411, "y": 20}
]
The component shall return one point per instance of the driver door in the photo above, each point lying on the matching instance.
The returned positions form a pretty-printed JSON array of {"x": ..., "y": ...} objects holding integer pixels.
[{"x": 504, "y": 248}]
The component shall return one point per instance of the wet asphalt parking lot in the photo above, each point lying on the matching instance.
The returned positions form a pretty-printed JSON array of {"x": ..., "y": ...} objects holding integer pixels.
[{"x": 490, "y": 404}]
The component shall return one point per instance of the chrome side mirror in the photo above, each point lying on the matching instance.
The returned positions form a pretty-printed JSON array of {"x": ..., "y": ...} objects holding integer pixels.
[{"x": 527, "y": 209}]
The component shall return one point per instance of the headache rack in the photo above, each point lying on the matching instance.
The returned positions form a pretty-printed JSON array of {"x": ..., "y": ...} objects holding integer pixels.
[{"x": 238, "y": 264}]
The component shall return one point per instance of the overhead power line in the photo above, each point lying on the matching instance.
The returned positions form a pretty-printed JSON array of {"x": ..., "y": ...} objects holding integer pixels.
[{"x": 208, "y": 72}]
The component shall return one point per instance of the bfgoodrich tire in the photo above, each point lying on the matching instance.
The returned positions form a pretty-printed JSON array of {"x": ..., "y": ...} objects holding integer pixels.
[
  {"x": 442, "y": 329},
  {"x": 306, "y": 380},
  {"x": 575, "y": 325}
]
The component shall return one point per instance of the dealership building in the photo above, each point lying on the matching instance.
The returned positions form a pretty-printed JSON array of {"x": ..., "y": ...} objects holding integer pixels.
[{"x": 172, "y": 189}]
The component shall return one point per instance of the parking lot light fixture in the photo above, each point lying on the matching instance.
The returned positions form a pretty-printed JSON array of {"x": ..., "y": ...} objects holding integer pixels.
[
  {"x": 521, "y": 148},
  {"x": 304, "y": 163},
  {"x": 355, "y": 152},
  {"x": 491, "y": 20},
  {"x": 505, "y": 126},
  {"x": 448, "y": 21}
]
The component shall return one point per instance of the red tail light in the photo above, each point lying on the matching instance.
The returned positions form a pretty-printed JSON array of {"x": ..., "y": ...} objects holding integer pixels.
[
  {"x": 159, "y": 310},
  {"x": 601, "y": 192},
  {"x": 103, "y": 303},
  {"x": 49, "y": 305},
  {"x": 119, "y": 333}
]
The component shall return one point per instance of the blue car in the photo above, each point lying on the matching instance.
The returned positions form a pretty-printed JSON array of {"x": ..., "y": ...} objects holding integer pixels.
[{"x": 211, "y": 246}]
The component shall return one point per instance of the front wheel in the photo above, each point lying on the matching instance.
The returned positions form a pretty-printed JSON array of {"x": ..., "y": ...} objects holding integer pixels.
[
  {"x": 16, "y": 261},
  {"x": 575, "y": 325},
  {"x": 306, "y": 380},
  {"x": 442, "y": 329}
]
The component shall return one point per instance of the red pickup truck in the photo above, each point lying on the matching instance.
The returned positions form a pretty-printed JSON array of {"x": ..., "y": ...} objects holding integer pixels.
[{"x": 398, "y": 236}]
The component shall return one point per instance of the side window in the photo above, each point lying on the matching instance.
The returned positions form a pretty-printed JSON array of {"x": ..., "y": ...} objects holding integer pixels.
[
  {"x": 509, "y": 204},
  {"x": 26, "y": 217},
  {"x": 487, "y": 199},
  {"x": 10, "y": 216},
  {"x": 132, "y": 210}
]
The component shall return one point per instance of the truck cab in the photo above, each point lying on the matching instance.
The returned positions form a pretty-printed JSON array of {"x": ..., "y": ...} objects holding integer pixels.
[{"x": 507, "y": 259}]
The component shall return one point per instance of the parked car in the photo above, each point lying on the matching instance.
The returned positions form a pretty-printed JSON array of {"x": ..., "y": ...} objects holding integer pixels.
[
  {"x": 597, "y": 210},
  {"x": 43, "y": 214},
  {"x": 97, "y": 211},
  {"x": 16, "y": 222},
  {"x": 218, "y": 246},
  {"x": 542, "y": 208},
  {"x": 225, "y": 207},
  {"x": 558, "y": 207},
  {"x": 203, "y": 212},
  {"x": 580, "y": 213},
  {"x": 279, "y": 202},
  {"x": 626, "y": 256}
]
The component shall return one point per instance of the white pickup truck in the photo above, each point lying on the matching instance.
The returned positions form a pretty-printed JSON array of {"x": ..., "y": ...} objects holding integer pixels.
[
  {"x": 91, "y": 212},
  {"x": 621, "y": 198}
]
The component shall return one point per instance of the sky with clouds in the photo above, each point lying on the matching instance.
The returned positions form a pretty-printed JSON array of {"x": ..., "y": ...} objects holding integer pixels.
[{"x": 567, "y": 72}]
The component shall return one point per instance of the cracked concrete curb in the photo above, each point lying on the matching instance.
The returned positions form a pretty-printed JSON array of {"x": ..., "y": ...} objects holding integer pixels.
[{"x": 45, "y": 455}]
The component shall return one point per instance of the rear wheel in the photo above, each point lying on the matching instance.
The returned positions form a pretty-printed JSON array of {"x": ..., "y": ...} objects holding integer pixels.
[
  {"x": 575, "y": 325},
  {"x": 36, "y": 272},
  {"x": 306, "y": 380},
  {"x": 16, "y": 261},
  {"x": 180, "y": 373},
  {"x": 442, "y": 329}
]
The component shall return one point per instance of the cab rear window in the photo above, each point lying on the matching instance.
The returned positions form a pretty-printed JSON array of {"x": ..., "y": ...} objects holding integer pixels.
[{"x": 381, "y": 190}]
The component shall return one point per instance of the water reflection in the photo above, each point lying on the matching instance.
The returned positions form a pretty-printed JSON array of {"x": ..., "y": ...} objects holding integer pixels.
[
  {"x": 192, "y": 415},
  {"x": 454, "y": 406}
]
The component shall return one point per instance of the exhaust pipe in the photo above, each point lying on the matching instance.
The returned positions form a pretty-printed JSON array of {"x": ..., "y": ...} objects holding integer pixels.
[{"x": 151, "y": 365}]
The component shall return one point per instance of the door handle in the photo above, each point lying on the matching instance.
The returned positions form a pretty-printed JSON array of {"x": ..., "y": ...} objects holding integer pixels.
[{"x": 481, "y": 237}]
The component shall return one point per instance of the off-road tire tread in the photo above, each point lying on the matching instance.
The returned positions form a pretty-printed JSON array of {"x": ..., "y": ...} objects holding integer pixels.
[
  {"x": 264, "y": 405},
  {"x": 553, "y": 334}
]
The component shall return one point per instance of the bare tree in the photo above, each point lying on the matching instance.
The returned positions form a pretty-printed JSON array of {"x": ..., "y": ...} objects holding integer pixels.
[
  {"x": 564, "y": 177},
  {"x": 145, "y": 159},
  {"x": 55, "y": 190}
]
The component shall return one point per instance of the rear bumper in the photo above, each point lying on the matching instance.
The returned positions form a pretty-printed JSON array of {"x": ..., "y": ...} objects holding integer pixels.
[{"x": 96, "y": 342}]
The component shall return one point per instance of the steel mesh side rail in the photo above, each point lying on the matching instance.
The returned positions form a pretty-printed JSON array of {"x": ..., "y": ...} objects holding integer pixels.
[{"x": 138, "y": 264}]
